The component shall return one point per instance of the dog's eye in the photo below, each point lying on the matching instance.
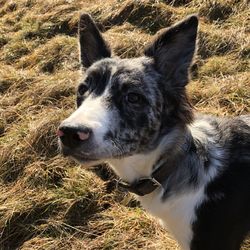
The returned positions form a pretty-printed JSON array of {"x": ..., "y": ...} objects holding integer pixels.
[
  {"x": 134, "y": 98},
  {"x": 82, "y": 89}
]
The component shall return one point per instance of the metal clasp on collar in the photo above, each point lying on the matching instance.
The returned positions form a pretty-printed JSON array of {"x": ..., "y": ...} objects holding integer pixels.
[
  {"x": 157, "y": 183},
  {"x": 122, "y": 185},
  {"x": 142, "y": 186}
]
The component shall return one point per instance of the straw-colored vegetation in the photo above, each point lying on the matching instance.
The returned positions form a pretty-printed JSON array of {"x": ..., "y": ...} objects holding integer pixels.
[{"x": 48, "y": 202}]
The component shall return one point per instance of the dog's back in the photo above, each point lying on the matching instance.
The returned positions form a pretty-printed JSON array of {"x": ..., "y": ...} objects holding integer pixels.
[{"x": 224, "y": 217}]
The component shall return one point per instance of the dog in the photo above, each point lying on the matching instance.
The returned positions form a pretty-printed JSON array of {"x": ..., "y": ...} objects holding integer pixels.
[{"x": 192, "y": 171}]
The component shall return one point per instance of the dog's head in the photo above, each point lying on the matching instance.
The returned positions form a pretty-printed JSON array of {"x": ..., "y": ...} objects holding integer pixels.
[{"x": 125, "y": 106}]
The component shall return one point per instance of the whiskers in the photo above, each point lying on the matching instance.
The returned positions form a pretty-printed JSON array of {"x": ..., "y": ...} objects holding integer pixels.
[{"x": 119, "y": 148}]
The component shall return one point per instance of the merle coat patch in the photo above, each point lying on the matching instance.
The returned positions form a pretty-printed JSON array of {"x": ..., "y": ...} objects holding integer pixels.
[{"x": 135, "y": 115}]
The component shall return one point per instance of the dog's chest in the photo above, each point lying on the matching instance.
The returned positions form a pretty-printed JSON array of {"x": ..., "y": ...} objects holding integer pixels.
[{"x": 176, "y": 213}]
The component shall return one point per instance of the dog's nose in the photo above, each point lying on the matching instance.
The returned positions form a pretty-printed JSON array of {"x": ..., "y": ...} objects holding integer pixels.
[{"x": 73, "y": 136}]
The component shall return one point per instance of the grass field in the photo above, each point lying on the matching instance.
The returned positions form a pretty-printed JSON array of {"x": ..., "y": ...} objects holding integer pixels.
[{"x": 48, "y": 202}]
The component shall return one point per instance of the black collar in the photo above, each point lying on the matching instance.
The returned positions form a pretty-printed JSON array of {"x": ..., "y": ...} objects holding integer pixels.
[
  {"x": 146, "y": 185},
  {"x": 140, "y": 187}
]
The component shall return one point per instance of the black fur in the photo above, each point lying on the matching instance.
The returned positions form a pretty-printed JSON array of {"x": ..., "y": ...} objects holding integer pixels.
[
  {"x": 147, "y": 108},
  {"x": 223, "y": 221},
  {"x": 92, "y": 45}
]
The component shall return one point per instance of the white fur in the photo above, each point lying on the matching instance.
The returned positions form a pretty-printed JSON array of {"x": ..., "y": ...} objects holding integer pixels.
[
  {"x": 197, "y": 128},
  {"x": 134, "y": 167},
  {"x": 217, "y": 154},
  {"x": 93, "y": 114},
  {"x": 140, "y": 165},
  {"x": 177, "y": 212}
]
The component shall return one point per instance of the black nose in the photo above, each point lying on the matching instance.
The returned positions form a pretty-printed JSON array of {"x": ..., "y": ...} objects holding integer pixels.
[{"x": 71, "y": 136}]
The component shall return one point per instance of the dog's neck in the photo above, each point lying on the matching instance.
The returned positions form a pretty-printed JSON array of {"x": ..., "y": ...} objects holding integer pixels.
[
  {"x": 183, "y": 151},
  {"x": 134, "y": 167},
  {"x": 137, "y": 166}
]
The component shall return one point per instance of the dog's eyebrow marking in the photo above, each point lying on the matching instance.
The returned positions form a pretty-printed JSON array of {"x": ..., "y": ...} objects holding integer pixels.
[{"x": 100, "y": 78}]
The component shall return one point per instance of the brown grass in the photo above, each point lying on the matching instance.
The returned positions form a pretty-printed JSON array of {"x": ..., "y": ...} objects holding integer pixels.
[{"x": 48, "y": 202}]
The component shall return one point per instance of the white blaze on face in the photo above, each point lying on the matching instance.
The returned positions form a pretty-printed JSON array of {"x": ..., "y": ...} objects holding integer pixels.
[{"x": 92, "y": 113}]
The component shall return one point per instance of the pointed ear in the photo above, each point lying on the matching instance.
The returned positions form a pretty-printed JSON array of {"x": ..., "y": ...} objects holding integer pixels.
[
  {"x": 173, "y": 51},
  {"x": 92, "y": 45}
]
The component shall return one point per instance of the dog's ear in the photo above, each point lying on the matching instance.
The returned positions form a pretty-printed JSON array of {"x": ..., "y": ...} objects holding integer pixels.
[
  {"x": 92, "y": 45},
  {"x": 173, "y": 50}
]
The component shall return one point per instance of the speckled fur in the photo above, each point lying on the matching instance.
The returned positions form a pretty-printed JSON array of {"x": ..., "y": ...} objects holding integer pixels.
[{"x": 205, "y": 199}]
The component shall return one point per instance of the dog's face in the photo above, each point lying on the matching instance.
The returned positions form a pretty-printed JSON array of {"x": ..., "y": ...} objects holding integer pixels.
[{"x": 124, "y": 106}]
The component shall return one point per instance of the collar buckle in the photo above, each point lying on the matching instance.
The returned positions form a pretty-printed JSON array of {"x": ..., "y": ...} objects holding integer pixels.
[
  {"x": 156, "y": 183},
  {"x": 141, "y": 187}
]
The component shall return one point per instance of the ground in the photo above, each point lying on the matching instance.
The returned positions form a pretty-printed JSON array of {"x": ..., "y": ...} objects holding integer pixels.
[{"x": 49, "y": 202}]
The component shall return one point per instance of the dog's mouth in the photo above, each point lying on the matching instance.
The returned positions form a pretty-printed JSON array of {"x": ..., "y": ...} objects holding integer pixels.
[
  {"x": 89, "y": 159},
  {"x": 78, "y": 156},
  {"x": 82, "y": 158},
  {"x": 92, "y": 153}
]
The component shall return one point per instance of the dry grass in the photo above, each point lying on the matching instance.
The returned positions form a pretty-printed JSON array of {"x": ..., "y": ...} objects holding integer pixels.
[{"x": 48, "y": 202}]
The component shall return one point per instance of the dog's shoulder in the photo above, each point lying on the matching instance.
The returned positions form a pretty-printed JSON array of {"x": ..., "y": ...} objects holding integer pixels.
[
  {"x": 236, "y": 127},
  {"x": 230, "y": 134},
  {"x": 227, "y": 195},
  {"x": 236, "y": 138}
]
